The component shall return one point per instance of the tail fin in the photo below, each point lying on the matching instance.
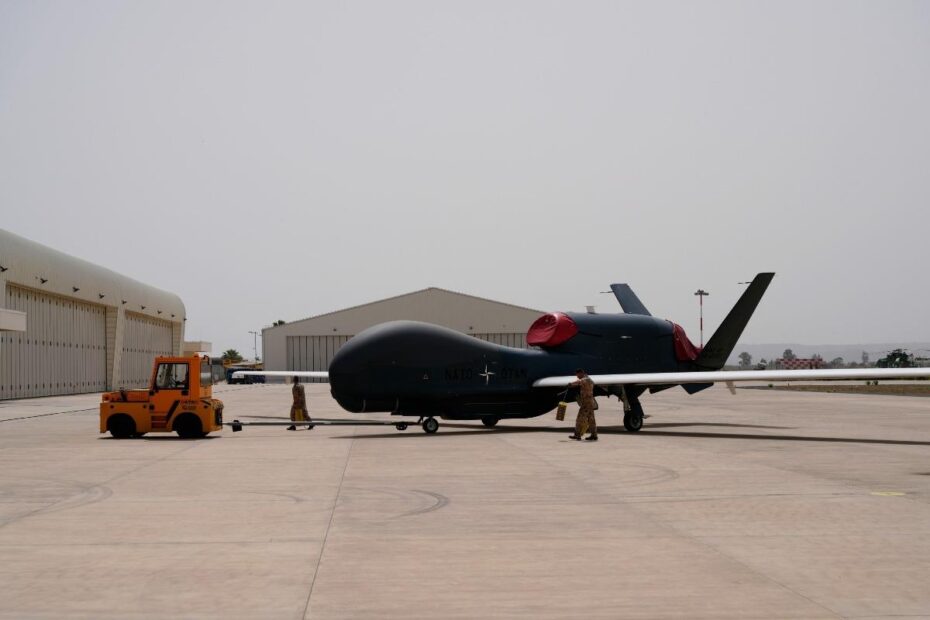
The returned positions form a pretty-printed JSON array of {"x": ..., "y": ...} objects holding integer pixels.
[
  {"x": 628, "y": 299},
  {"x": 721, "y": 344}
]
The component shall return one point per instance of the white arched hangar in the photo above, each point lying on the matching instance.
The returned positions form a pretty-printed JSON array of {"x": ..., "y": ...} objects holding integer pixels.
[{"x": 88, "y": 329}]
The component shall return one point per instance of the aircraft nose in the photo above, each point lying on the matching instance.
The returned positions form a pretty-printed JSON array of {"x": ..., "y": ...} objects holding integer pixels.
[
  {"x": 343, "y": 372},
  {"x": 351, "y": 360},
  {"x": 375, "y": 369},
  {"x": 373, "y": 346},
  {"x": 348, "y": 372}
]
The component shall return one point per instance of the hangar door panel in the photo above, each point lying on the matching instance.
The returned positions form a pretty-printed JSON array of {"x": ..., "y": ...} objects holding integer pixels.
[
  {"x": 312, "y": 352},
  {"x": 144, "y": 339},
  {"x": 62, "y": 351}
]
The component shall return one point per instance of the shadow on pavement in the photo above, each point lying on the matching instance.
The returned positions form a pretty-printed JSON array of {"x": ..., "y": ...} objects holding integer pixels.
[
  {"x": 160, "y": 437},
  {"x": 646, "y": 432},
  {"x": 863, "y": 440}
]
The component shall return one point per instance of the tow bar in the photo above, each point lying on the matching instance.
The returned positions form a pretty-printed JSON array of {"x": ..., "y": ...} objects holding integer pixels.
[{"x": 236, "y": 425}]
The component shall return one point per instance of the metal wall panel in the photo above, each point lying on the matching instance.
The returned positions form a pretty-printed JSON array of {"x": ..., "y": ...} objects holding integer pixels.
[
  {"x": 517, "y": 340},
  {"x": 144, "y": 339},
  {"x": 62, "y": 351},
  {"x": 312, "y": 352}
]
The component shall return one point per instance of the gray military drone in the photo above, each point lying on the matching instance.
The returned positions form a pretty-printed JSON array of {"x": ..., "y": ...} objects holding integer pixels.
[{"x": 409, "y": 368}]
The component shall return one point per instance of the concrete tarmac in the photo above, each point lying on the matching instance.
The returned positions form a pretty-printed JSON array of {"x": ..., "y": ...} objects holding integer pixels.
[{"x": 760, "y": 505}]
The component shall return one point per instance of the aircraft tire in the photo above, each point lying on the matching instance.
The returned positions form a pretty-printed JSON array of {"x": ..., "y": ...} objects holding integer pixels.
[
  {"x": 430, "y": 426},
  {"x": 490, "y": 420},
  {"x": 633, "y": 421},
  {"x": 401, "y": 427}
]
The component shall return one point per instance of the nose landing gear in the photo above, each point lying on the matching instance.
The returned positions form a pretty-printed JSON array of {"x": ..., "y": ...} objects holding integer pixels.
[{"x": 430, "y": 425}]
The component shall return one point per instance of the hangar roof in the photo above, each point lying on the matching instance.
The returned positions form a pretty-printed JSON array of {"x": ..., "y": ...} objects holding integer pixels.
[
  {"x": 39, "y": 267},
  {"x": 466, "y": 313}
]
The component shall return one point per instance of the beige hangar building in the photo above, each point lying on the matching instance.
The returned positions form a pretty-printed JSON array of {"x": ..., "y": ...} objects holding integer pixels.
[
  {"x": 68, "y": 326},
  {"x": 310, "y": 344}
]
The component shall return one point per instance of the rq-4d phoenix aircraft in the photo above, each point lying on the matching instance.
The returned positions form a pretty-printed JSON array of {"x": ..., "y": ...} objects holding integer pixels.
[{"x": 417, "y": 369}]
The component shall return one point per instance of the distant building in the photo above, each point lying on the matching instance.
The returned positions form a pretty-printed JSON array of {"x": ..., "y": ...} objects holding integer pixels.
[
  {"x": 310, "y": 344},
  {"x": 799, "y": 363},
  {"x": 87, "y": 329}
]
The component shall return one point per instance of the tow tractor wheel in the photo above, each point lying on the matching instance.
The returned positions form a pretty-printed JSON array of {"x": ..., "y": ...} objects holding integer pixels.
[
  {"x": 430, "y": 426},
  {"x": 121, "y": 426},
  {"x": 490, "y": 421},
  {"x": 402, "y": 426},
  {"x": 188, "y": 426}
]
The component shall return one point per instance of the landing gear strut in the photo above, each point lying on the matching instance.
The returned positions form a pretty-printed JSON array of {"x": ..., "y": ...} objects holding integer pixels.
[{"x": 430, "y": 426}]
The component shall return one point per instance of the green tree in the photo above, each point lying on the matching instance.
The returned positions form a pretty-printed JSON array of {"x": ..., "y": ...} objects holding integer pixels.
[
  {"x": 789, "y": 355},
  {"x": 837, "y": 362},
  {"x": 232, "y": 356},
  {"x": 278, "y": 322},
  {"x": 899, "y": 358},
  {"x": 745, "y": 360}
]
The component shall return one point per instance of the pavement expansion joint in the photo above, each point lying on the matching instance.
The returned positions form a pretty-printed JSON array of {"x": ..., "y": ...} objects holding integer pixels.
[{"x": 329, "y": 526}]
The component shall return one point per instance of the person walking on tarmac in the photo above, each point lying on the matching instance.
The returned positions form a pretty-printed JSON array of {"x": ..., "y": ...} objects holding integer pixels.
[
  {"x": 299, "y": 410},
  {"x": 585, "y": 420}
]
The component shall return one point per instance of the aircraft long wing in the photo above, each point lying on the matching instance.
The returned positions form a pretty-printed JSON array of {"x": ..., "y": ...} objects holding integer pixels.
[
  {"x": 732, "y": 376},
  {"x": 306, "y": 374}
]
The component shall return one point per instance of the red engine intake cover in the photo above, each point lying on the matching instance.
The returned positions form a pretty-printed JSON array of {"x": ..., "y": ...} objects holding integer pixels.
[
  {"x": 685, "y": 351},
  {"x": 551, "y": 330}
]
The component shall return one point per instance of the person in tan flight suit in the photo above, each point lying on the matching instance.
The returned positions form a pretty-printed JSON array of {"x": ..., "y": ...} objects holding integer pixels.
[
  {"x": 585, "y": 420},
  {"x": 299, "y": 410}
]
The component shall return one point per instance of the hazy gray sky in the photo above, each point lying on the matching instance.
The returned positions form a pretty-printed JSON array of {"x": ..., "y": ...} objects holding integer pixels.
[{"x": 277, "y": 160}]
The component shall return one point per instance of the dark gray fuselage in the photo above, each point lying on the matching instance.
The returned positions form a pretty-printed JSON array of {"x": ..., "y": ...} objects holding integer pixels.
[{"x": 411, "y": 368}]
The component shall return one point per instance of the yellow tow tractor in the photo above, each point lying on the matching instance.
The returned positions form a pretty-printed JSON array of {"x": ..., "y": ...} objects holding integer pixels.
[{"x": 179, "y": 399}]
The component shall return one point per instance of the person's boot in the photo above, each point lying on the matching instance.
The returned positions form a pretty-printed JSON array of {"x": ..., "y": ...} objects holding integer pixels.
[
  {"x": 592, "y": 437},
  {"x": 292, "y": 428},
  {"x": 575, "y": 436}
]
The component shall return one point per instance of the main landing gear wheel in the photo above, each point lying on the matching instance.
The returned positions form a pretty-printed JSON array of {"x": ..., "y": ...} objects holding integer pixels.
[
  {"x": 430, "y": 426},
  {"x": 490, "y": 421},
  {"x": 633, "y": 421}
]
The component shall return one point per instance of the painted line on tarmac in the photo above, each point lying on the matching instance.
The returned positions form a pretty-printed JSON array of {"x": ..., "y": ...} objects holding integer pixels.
[{"x": 43, "y": 415}]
